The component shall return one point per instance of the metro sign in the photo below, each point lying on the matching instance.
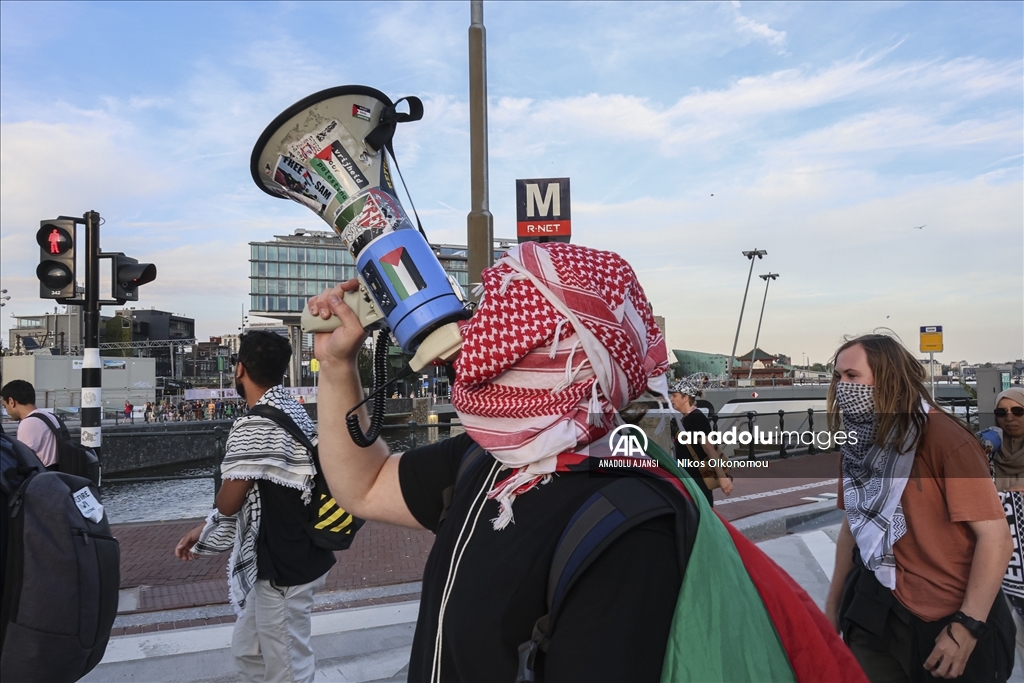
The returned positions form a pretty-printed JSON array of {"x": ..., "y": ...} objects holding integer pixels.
[{"x": 542, "y": 210}]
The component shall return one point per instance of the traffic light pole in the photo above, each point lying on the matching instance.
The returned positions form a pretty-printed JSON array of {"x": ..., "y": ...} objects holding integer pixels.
[
  {"x": 56, "y": 273},
  {"x": 92, "y": 367}
]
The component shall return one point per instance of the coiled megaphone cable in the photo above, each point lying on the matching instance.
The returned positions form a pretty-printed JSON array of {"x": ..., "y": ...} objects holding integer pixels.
[{"x": 379, "y": 396}]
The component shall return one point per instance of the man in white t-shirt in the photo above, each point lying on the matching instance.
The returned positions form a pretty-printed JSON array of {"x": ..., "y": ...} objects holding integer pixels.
[{"x": 19, "y": 399}]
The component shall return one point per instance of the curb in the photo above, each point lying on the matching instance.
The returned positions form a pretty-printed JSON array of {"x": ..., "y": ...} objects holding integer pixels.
[
  {"x": 774, "y": 523},
  {"x": 322, "y": 602}
]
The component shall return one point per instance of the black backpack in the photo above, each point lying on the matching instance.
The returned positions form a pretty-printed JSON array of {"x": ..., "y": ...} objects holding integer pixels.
[
  {"x": 72, "y": 458},
  {"x": 331, "y": 527},
  {"x": 623, "y": 504},
  {"x": 61, "y": 572}
]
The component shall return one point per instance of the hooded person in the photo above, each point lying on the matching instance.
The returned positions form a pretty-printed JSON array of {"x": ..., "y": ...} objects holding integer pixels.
[
  {"x": 1008, "y": 458},
  {"x": 562, "y": 342}
]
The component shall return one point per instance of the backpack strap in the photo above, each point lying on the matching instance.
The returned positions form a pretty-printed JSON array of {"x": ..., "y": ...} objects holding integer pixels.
[
  {"x": 604, "y": 518},
  {"x": 17, "y": 462},
  {"x": 471, "y": 457},
  {"x": 285, "y": 422},
  {"x": 60, "y": 432}
]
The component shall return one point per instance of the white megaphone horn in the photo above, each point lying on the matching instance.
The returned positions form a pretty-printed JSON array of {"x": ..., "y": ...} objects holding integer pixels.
[{"x": 329, "y": 153}]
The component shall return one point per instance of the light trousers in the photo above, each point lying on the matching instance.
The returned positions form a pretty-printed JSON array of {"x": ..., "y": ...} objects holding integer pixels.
[{"x": 271, "y": 638}]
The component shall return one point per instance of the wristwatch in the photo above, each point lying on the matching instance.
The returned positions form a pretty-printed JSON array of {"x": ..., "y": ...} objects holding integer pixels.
[{"x": 976, "y": 628}]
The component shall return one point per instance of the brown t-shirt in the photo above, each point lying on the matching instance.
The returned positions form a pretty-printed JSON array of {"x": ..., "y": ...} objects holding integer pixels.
[{"x": 948, "y": 486}]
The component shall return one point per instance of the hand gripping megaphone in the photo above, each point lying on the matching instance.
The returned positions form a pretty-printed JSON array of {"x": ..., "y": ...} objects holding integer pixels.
[{"x": 329, "y": 152}]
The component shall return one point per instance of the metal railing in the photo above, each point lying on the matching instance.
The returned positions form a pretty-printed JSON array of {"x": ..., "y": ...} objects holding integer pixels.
[
  {"x": 786, "y": 449},
  {"x": 806, "y": 426}
]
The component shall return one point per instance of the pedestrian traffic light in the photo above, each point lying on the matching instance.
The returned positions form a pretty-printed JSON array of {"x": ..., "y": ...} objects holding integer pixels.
[
  {"x": 128, "y": 275},
  {"x": 56, "y": 270}
]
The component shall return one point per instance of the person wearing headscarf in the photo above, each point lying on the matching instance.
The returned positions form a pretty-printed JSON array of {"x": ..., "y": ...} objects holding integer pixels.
[
  {"x": 1007, "y": 460},
  {"x": 561, "y": 343},
  {"x": 923, "y": 544}
]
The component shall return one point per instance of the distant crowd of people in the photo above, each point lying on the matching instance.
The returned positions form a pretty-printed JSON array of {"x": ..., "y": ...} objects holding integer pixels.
[{"x": 187, "y": 411}]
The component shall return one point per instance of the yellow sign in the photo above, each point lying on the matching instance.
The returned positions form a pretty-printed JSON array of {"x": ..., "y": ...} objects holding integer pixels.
[
  {"x": 314, "y": 365},
  {"x": 931, "y": 339}
]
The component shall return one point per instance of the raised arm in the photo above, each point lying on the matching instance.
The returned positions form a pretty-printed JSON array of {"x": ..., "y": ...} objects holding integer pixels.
[{"x": 364, "y": 481}]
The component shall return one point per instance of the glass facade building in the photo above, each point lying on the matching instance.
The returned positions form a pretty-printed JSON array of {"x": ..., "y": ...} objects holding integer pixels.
[
  {"x": 291, "y": 268},
  {"x": 283, "y": 274}
]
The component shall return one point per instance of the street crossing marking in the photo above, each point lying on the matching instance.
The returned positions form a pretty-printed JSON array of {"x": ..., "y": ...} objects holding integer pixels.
[
  {"x": 777, "y": 492},
  {"x": 816, "y": 499},
  {"x": 823, "y": 549}
]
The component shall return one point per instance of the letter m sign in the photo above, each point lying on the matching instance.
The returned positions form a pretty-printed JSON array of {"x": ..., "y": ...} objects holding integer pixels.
[{"x": 542, "y": 210}]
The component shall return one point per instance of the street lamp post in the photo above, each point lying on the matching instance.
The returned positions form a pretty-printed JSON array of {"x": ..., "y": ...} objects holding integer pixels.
[
  {"x": 479, "y": 222},
  {"x": 767, "y": 281},
  {"x": 758, "y": 253}
]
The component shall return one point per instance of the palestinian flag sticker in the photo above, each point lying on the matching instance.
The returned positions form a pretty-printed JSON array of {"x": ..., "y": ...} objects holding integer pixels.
[{"x": 401, "y": 272}]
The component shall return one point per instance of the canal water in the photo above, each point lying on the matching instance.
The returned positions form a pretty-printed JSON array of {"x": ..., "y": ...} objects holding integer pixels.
[{"x": 176, "y": 499}]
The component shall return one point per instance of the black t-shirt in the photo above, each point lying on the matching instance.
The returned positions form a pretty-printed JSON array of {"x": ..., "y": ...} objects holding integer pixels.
[
  {"x": 696, "y": 421},
  {"x": 614, "y": 622},
  {"x": 285, "y": 554}
]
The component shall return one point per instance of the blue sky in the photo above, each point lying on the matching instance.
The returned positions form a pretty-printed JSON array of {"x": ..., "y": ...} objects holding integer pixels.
[{"x": 825, "y": 132}]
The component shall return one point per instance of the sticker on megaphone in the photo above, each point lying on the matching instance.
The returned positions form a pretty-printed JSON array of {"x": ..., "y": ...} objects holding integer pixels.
[{"x": 442, "y": 344}]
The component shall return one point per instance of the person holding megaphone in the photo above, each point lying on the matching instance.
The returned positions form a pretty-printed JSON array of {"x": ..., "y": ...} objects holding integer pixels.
[{"x": 548, "y": 563}]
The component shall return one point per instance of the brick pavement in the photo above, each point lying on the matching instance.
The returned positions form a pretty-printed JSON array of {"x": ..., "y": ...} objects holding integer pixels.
[
  {"x": 380, "y": 555},
  {"x": 780, "y": 474}
]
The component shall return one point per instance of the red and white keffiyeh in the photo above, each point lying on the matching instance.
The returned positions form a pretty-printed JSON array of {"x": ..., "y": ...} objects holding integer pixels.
[{"x": 562, "y": 340}]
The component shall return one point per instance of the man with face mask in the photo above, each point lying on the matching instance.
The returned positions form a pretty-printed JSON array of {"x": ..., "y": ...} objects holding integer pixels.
[
  {"x": 924, "y": 544},
  {"x": 262, "y": 510}
]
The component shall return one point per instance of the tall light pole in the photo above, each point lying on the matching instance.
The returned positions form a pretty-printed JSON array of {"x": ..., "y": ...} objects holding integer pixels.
[
  {"x": 767, "y": 281},
  {"x": 479, "y": 222},
  {"x": 759, "y": 253}
]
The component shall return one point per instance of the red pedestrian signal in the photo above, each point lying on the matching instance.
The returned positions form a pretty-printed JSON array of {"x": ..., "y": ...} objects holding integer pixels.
[
  {"x": 56, "y": 271},
  {"x": 54, "y": 239}
]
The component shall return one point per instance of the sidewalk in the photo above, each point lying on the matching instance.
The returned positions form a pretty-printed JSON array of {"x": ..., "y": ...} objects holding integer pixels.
[{"x": 175, "y": 623}]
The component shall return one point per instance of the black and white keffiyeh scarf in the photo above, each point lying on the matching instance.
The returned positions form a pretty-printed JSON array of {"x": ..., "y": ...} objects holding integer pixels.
[
  {"x": 873, "y": 482},
  {"x": 257, "y": 449}
]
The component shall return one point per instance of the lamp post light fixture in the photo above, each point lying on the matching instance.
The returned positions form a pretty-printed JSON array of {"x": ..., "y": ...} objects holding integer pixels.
[
  {"x": 751, "y": 255},
  {"x": 767, "y": 281}
]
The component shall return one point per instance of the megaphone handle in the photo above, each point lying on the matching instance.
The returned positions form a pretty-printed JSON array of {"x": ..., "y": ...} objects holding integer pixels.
[{"x": 359, "y": 301}]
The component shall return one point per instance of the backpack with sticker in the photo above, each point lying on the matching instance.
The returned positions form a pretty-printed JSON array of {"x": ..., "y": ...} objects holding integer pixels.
[{"x": 61, "y": 571}]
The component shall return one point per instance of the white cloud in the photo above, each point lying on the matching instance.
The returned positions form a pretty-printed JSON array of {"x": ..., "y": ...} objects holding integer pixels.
[
  {"x": 700, "y": 121},
  {"x": 748, "y": 26}
]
